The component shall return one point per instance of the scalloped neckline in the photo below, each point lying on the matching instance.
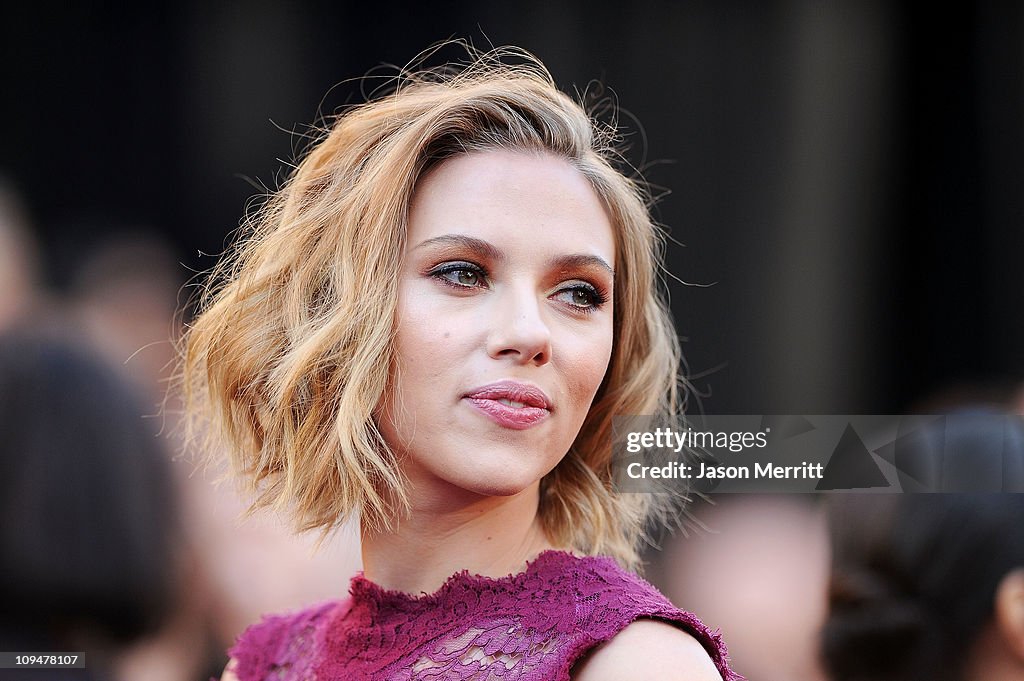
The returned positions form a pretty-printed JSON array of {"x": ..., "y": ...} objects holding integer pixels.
[{"x": 370, "y": 590}]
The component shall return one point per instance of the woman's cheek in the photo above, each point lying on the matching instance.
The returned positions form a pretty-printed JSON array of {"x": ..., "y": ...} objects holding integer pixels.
[{"x": 592, "y": 364}]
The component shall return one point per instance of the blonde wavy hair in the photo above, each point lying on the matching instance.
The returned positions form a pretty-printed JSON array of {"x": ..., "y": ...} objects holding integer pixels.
[{"x": 291, "y": 351}]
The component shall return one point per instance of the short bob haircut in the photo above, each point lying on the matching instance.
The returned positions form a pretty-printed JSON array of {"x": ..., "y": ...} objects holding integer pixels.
[{"x": 293, "y": 346}]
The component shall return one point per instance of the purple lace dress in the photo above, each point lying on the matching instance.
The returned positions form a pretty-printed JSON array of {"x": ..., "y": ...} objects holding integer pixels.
[{"x": 533, "y": 626}]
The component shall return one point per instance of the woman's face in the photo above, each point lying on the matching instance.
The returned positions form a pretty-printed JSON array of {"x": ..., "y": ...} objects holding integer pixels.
[{"x": 504, "y": 328}]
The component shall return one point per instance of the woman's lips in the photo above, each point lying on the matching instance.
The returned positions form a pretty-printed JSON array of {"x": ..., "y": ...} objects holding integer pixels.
[{"x": 511, "y": 404}]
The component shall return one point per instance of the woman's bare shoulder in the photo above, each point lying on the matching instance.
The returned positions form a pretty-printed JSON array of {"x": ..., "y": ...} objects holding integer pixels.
[
  {"x": 229, "y": 671},
  {"x": 648, "y": 649}
]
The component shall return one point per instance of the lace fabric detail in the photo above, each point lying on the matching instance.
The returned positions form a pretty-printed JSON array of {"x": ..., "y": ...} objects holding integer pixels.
[
  {"x": 282, "y": 648},
  {"x": 532, "y": 626}
]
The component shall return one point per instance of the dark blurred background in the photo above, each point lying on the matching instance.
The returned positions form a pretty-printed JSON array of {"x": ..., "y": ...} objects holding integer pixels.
[
  {"x": 843, "y": 183},
  {"x": 846, "y": 175}
]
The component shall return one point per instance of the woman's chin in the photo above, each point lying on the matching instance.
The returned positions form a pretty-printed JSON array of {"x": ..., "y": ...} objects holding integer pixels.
[{"x": 498, "y": 484}]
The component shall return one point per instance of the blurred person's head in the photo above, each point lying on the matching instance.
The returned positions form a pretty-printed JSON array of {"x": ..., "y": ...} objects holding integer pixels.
[
  {"x": 926, "y": 586},
  {"x": 755, "y": 559},
  {"x": 86, "y": 512},
  {"x": 18, "y": 259},
  {"x": 124, "y": 292}
]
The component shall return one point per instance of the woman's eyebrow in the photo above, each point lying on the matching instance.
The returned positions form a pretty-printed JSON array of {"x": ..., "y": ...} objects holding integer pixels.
[
  {"x": 582, "y": 260},
  {"x": 461, "y": 241},
  {"x": 488, "y": 250}
]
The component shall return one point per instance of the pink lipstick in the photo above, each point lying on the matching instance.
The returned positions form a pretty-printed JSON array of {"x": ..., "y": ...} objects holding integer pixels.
[{"x": 511, "y": 404}]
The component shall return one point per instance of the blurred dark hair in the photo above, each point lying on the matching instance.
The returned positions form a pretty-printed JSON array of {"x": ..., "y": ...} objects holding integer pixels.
[
  {"x": 86, "y": 497},
  {"x": 914, "y": 578}
]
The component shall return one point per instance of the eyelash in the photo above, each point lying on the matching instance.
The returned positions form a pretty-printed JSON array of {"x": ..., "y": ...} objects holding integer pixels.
[
  {"x": 440, "y": 271},
  {"x": 598, "y": 299}
]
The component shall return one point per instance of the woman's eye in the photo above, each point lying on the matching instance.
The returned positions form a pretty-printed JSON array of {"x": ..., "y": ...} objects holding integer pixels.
[
  {"x": 585, "y": 298},
  {"x": 466, "y": 277},
  {"x": 463, "y": 275}
]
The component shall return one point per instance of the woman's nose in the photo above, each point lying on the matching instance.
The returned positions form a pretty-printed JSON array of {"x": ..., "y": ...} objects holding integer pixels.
[{"x": 519, "y": 330}]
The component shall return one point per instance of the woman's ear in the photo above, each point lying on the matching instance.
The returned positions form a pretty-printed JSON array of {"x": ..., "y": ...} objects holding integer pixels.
[{"x": 1009, "y": 611}]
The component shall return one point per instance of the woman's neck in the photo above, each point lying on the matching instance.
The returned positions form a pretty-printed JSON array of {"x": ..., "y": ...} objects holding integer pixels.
[{"x": 490, "y": 536}]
